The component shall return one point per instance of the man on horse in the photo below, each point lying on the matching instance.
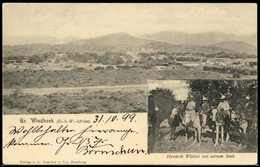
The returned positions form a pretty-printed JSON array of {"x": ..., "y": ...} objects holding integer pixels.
[
  {"x": 222, "y": 119},
  {"x": 175, "y": 119},
  {"x": 205, "y": 109},
  {"x": 237, "y": 131},
  {"x": 192, "y": 120}
]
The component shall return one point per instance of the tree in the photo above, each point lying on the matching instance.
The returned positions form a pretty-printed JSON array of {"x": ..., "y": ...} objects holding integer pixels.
[
  {"x": 238, "y": 90},
  {"x": 165, "y": 100}
]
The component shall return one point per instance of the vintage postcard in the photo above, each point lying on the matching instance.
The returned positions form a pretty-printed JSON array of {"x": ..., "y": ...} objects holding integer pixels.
[{"x": 129, "y": 83}]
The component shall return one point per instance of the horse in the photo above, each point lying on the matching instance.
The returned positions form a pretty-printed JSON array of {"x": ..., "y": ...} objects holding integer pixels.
[
  {"x": 243, "y": 123},
  {"x": 191, "y": 120},
  {"x": 222, "y": 121},
  {"x": 175, "y": 120},
  {"x": 208, "y": 124},
  {"x": 238, "y": 128},
  {"x": 232, "y": 126},
  {"x": 212, "y": 129}
]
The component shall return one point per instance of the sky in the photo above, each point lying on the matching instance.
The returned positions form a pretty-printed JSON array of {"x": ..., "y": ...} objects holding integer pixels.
[
  {"x": 180, "y": 88},
  {"x": 91, "y": 20}
]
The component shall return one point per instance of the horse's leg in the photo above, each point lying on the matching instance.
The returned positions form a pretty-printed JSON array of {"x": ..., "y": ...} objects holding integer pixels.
[
  {"x": 241, "y": 140},
  {"x": 170, "y": 125},
  {"x": 245, "y": 130},
  {"x": 199, "y": 135},
  {"x": 199, "y": 128},
  {"x": 244, "y": 127},
  {"x": 217, "y": 135},
  {"x": 204, "y": 121},
  {"x": 186, "y": 133},
  {"x": 222, "y": 134},
  {"x": 172, "y": 133},
  {"x": 213, "y": 130},
  {"x": 174, "y": 130},
  {"x": 195, "y": 136},
  {"x": 228, "y": 136}
]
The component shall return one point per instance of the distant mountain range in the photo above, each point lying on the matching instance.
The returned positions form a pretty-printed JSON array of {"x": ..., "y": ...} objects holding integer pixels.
[
  {"x": 162, "y": 41},
  {"x": 236, "y": 46},
  {"x": 116, "y": 41},
  {"x": 202, "y": 39}
]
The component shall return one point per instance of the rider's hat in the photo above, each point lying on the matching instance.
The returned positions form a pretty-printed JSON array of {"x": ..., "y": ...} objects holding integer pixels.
[
  {"x": 223, "y": 97},
  {"x": 204, "y": 98},
  {"x": 228, "y": 95}
]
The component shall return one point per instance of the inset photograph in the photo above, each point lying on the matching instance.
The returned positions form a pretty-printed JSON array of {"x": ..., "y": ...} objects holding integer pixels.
[{"x": 202, "y": 116}]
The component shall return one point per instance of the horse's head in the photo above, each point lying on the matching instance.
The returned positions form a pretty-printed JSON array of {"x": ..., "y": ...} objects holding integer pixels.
[
  {"x": 178, "y": 112},
  {"x": 234, "y": 115}
]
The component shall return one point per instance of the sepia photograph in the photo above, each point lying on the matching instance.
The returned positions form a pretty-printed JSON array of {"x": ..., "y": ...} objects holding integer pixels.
[
  {"x": 129, "y": 83},
  {"x": 202, "y": 116},
  {"x": 91, "y": 58}
]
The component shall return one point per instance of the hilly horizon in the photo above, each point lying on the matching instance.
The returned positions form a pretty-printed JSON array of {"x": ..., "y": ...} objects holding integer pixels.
[
  {"x": 163, "y": 41},
  {"x": 202, "y": 39},
  {"x": 115, "y": 41},
  {"x": 239, "y": 46}
]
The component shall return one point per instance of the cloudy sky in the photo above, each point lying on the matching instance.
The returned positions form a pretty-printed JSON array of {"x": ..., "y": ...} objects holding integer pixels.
[
  {"x": 180, "y": 88},
  {"x": 90, "y": 20}
]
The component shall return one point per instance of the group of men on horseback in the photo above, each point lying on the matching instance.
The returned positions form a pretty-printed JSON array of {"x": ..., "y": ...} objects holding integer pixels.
[{"x": 218, "y": 119}]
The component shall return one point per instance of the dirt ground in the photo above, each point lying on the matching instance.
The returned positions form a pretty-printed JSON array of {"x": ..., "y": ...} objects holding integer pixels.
[{"x": 179, "y": 145}]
